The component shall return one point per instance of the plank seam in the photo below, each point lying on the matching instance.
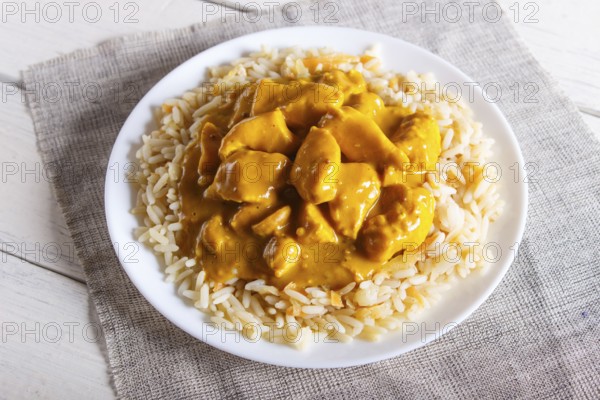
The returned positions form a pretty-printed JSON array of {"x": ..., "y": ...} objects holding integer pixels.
[{"x": 24, "y": 259}]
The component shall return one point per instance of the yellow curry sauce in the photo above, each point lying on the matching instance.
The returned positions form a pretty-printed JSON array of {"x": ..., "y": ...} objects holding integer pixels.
[{"x": 312, "y": 181}]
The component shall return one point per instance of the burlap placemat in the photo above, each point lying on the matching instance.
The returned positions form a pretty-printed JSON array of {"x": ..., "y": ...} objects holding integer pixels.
[{"x": 535, "y": 337}]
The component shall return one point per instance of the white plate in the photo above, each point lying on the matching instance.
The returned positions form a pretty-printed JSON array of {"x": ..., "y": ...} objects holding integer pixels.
[{"x": 142, "y": 265}]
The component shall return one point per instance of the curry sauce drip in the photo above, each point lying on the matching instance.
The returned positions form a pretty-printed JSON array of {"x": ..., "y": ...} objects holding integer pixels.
[{"x": 311, "y": 181}]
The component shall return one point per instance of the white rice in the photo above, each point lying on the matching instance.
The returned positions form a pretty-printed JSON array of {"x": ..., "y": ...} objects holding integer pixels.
[{"x": 464, "y": 211}]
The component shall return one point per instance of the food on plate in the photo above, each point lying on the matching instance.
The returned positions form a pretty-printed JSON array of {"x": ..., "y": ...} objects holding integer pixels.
[{"x": 315, "y": 190}]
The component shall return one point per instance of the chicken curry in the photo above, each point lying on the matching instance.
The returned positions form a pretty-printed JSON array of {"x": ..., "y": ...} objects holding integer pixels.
[{"x": 312, "y": 181}]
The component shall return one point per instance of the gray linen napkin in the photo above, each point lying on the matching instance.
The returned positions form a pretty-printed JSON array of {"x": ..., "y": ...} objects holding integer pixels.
[{"x": 535, "y": 337}]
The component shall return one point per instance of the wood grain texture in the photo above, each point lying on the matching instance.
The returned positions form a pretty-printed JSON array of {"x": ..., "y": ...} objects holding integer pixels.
[
  {"x": 565, "y": 41},
  {"x": 50, "y": 343},
  {"x": 31, "y": 224},
  {"x": 80, "y": 28}
]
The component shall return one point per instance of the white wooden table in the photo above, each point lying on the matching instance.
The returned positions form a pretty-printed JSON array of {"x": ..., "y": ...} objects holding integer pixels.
[{"x": 49, "y": 336}]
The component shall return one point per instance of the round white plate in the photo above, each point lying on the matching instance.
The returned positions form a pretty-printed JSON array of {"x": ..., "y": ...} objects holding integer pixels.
[{"x": 143, "y": 267}]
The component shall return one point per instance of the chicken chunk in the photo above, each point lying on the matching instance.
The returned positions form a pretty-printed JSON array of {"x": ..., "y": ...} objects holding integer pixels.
[
  {"x": 210, "y": 140},
  {"x": 250, "y": 176},
  {"x": 214, "y": 234},
  {"x": 418, "y": 136},
  {"x": 313, "y": 227},
  {"x": 275, "y": 223},
  {"x": 349, "y": 83},
  {"x": 358, "y": 190},
  {"x": 389, "y": 118},
  {"x": 315, "y": 169},
  {"x": 270, "y": 95},
  {"x": 302, "y": 103},
  {"x": 405, "y": 221},
  {"x": 243, "y": 105},
  {"x": 266, "y": 132},
  {"x": 309, "y": 103},
  {"x": 282, "y": 254},
  {"x": 367, "y": 103},
  {"x": 248, "y": 215},
  {"x": 361, "y": 140}
]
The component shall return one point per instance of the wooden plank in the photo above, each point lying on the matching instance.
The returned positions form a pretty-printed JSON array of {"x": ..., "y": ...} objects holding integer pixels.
[
  {"x": 565, "y": 41},
  {"x": 51, "y": 347},
  {"x": 32, "y": 31},
  {"x": 31, "y": 224}
]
